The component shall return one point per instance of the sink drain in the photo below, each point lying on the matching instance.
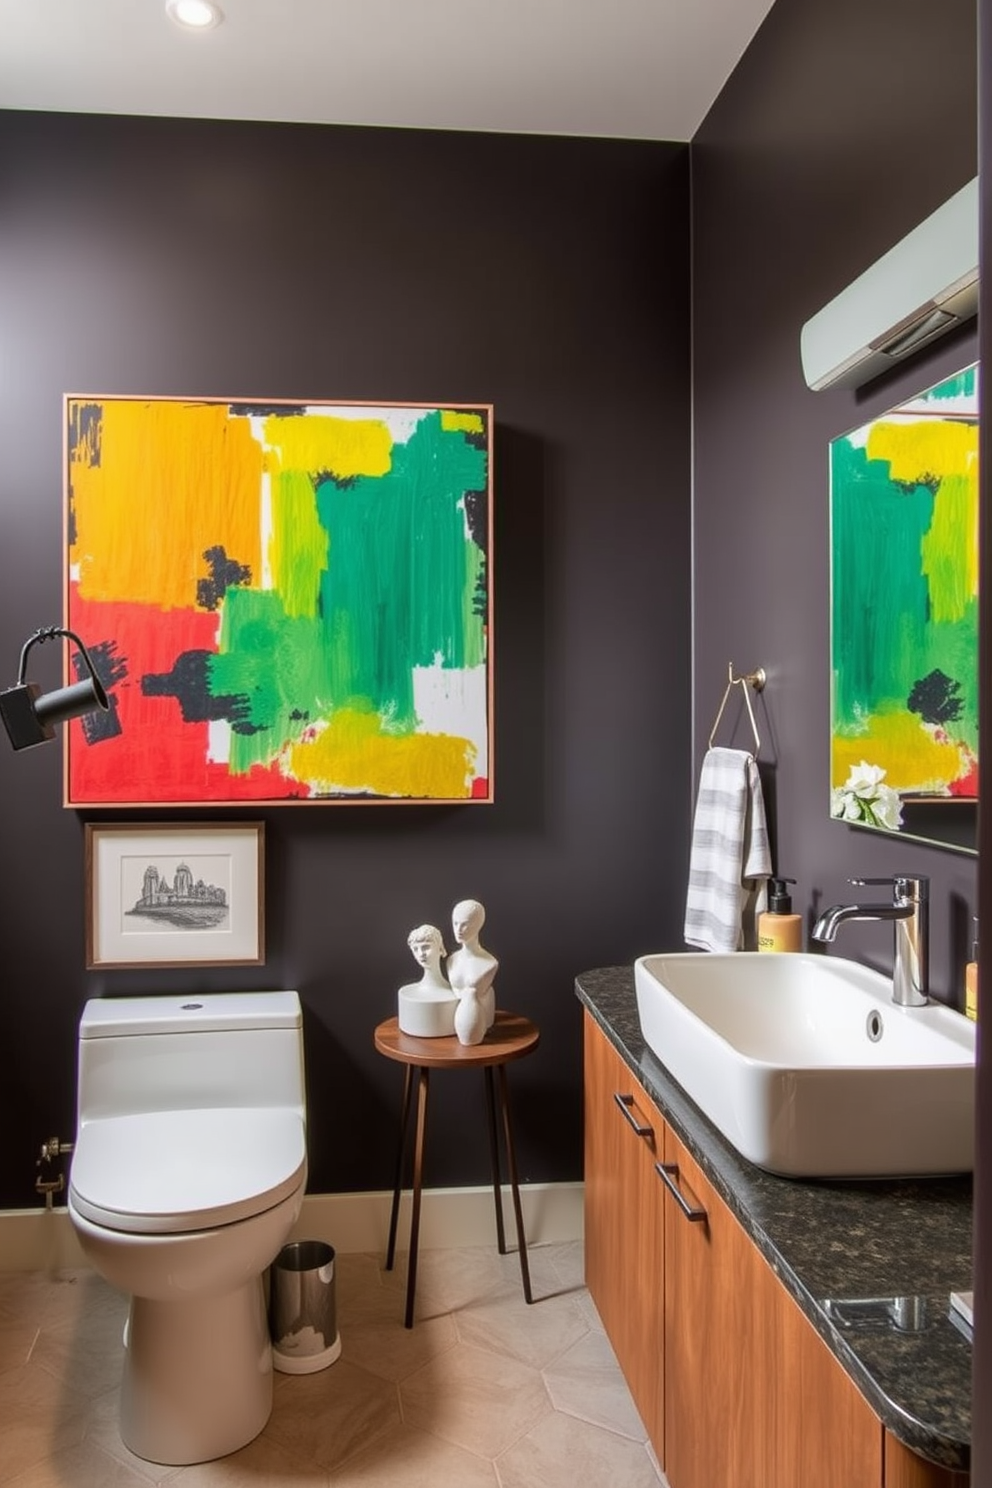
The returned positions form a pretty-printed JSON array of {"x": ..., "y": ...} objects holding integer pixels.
[{"x": 874, "y": 1026}]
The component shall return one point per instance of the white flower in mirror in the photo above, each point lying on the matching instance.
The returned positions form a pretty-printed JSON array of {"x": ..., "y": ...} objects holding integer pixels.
[{"x": 864, "y": 798}]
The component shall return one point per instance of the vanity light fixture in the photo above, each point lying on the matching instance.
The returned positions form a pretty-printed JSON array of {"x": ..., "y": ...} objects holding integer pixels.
[
  {"x": 924, "y": 286},
  {"x": 29, "y": 716},
  {"x": 194, "y": 15}
]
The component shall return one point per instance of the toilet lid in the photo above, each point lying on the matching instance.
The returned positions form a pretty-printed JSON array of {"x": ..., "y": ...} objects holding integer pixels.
[{"x": 164, "y": 1172}]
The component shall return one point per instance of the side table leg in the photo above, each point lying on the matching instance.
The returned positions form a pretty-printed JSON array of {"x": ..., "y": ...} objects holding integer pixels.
[
  {"x": 398, "y": 1180},
  {"x": 494, "y": 1156},
  {"x": 418, "y": 1177},
  {"x": 511, "y": 1163}
]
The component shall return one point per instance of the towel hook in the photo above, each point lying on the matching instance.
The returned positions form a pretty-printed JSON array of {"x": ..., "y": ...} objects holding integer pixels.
[{"x": 755, "y": 679}]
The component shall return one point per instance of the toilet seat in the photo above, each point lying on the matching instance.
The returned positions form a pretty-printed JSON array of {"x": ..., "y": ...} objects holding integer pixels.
[{"x": 166, "y": 1172}]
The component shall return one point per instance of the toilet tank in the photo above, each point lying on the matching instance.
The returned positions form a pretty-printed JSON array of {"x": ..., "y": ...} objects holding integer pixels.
[{"x": 190, "y": 1052}]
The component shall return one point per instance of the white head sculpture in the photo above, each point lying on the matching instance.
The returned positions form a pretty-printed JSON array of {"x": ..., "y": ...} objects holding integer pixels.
[{"x": 427, "y": 945}]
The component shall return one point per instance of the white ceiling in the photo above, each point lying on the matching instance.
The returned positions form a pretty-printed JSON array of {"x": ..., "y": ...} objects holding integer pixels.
[{"x": 637, "y": 69}]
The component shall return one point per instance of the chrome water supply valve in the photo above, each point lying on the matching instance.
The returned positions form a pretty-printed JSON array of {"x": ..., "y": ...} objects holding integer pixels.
[{"x": 47, "y": 1181}]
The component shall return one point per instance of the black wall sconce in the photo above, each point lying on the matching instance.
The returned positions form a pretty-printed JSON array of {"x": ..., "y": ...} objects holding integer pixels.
[{"x": 30, "y": 716}]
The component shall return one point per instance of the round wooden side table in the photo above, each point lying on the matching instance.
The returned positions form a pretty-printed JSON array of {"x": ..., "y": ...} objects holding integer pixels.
[{"x": 511, "y": 1037}]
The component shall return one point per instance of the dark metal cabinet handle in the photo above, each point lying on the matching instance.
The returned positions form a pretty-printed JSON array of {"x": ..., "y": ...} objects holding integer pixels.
[
  {"x": 669, "y": 1175},
  {"x": 626, "y": 1104}
]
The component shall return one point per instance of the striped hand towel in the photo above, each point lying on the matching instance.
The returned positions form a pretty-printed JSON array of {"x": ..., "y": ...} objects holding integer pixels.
[{"x": 730, "y": 857}]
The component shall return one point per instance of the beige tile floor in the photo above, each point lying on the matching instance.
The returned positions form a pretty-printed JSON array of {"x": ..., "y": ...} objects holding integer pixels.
[{"x": 483, "y": 1392}]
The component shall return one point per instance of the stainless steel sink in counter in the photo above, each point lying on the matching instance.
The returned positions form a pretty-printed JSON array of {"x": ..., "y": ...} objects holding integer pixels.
[{"x": 835, "y": 1240}]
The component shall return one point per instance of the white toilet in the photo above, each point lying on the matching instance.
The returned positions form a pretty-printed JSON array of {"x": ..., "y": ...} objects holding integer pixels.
[{"x": 187, "y": 1175}]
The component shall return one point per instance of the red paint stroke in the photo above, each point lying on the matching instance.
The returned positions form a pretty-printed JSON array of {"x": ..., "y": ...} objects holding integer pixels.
[
  {"x": 157, "y": 757},
  {"x": 966, "y": 785}
]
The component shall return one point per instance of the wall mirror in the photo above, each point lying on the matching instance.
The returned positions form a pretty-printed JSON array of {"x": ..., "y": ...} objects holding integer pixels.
[{"x": 904, "y": 618}]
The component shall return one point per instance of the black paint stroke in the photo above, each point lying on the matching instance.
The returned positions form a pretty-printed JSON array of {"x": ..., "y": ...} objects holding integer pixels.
[
  {"x": 267, "y": 410},
  {"x": 936, "y": 698},
  {"x": 225, "y": 573},
  {"x": 111, "y": 668},
  {"x": 189, "y": 683}
]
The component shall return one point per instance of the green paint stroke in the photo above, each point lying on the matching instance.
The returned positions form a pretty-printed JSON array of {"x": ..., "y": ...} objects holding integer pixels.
[
  {"x": 298, "y": 550},
  {"x": 880, "y": 600},
  {"x": 943, "y": 546},
  {"x": 373, "y": 575},
  {"x": 963, "y": 385},
  {"x": 277, "y": 662},
  {"x": 402, "y": 572},
  {"x": 900, "y": 609}
]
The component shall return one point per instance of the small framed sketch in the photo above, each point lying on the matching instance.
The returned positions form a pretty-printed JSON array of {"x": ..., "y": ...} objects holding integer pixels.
[{"x": 176, "y": 895}]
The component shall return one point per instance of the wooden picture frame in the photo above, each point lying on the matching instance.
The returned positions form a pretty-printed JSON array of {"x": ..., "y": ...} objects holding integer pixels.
[
  {"x": 183, "y": 894},
  {"x": 288, "y": 603}
]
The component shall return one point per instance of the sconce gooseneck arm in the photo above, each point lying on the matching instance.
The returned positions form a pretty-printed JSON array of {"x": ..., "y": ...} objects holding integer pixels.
[
  {"x": 50, "y": 633},
  {"x": 31, "y": 717}
]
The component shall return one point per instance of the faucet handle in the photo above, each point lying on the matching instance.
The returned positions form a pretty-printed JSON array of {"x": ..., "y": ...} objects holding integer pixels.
[{"x": 913, "y": 885}]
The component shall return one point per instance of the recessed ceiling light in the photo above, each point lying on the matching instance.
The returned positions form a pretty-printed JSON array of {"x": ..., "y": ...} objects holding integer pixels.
[{"x": 194, "y": 15}]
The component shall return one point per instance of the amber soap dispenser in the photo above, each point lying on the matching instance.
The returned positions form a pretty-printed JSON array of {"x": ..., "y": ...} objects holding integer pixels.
[
  {"x": 778, "y": 928},
  {"x": 971, "y": 980}
]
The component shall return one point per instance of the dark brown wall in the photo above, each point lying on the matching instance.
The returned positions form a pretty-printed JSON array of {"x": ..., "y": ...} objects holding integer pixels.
[
  {"x": 844, "y": 126},
  {"x": 549, "y": 277},
  {"x": 835, "y": 136}
]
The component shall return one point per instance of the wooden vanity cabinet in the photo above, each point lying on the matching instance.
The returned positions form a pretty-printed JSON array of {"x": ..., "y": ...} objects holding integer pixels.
[
  {"x": 714, "y": 1313},
  {"x": 734, "y": 1386},
  {"x": 903, "y": 1469},
  {"x": 753, "y": 1396},
  {"x": 624, "y": 1223}
]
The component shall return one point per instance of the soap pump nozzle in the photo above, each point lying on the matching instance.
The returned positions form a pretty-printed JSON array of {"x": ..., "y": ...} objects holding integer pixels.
[{"x": 779, "y": 898}]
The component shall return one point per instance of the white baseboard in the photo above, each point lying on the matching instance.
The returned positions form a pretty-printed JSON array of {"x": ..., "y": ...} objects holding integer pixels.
[
  {"x": 448, "y": 1217},
  {"x": 44, "y": 1240},
  {"x": 38, "y": 1240}
]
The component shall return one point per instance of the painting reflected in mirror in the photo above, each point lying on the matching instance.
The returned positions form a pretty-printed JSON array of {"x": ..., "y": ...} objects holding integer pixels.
[{"x": 904, "y": 618}]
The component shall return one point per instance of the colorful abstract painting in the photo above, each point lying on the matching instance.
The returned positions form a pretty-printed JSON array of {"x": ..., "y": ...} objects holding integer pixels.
[
  {"x": 904, "y": 547},
  {"x": 287, "y": 602}
]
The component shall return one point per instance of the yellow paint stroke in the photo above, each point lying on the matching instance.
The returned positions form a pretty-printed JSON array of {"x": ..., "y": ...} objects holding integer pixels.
[
  {"x": 949, "y": 552},
  {"x": 299, "y": 544},
  {"x": 950, "y": 549},
  {"x": 343, "y": 447},
  {"x": 453, "y": 420},
  {"x": 173, "y": 480},
  {"x": 913, "y": 760},
  {"x": 353, "y": 753},
  {"x": 298, "y": 452}
]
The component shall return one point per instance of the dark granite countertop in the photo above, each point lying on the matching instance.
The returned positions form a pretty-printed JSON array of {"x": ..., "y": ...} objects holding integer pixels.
[{"x": 830, "y": 1241}]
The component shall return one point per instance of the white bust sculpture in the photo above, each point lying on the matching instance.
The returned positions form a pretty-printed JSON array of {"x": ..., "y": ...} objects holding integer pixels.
[
  {"x": 427, "y": 1008},
  {"x": 472, "y": 969},
  {"x": 427, "y": 945}
]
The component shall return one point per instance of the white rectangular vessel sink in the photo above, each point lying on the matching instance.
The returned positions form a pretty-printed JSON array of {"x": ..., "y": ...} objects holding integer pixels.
[{"x": 808, "y": 1067}]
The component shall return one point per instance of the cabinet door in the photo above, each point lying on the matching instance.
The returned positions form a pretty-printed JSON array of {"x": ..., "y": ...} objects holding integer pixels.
[
  {"x": 824, "y": 1431},
  {"x": 754, "y": 1397},
  {"x": 624, "y": 1223},
  {"x": 710, "y": 1307},
  {"x": 903, "y": 1469}
]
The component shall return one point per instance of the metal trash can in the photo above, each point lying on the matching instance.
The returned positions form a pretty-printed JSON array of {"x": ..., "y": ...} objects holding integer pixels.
[{"x": 302, "y": 1308}]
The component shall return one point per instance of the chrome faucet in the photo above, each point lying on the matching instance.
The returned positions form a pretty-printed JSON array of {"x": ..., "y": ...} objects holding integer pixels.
[{"x": 910, "y": 912}]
